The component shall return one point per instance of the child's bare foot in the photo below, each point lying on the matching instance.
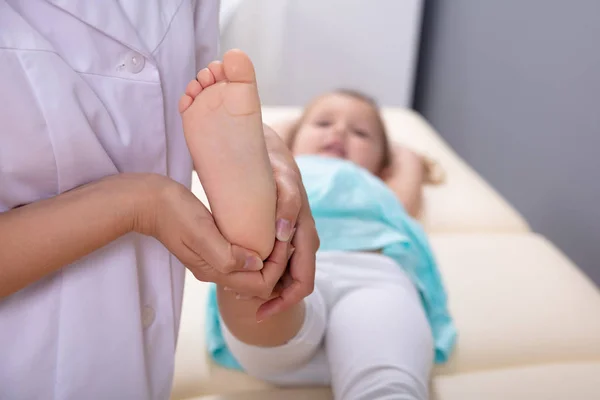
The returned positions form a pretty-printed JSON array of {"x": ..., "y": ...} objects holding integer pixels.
[{"x": 222, "y": 124}]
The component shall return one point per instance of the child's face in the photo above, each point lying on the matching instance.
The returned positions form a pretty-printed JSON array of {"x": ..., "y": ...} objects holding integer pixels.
[{"x": 342, "y": 126}]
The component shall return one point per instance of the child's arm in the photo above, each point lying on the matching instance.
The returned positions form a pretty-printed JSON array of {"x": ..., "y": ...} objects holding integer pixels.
[{"x": 406, "y": 176}]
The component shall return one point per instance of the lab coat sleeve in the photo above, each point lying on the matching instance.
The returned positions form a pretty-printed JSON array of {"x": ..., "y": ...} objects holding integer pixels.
[{"x": 206, "y": 27}]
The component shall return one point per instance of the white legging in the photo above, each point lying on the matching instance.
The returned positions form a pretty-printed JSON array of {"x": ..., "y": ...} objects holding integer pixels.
[{"x": 365, "y": 333}]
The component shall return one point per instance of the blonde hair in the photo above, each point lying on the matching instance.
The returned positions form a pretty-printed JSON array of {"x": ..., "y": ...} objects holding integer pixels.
[{"x": 291, "y": 137}]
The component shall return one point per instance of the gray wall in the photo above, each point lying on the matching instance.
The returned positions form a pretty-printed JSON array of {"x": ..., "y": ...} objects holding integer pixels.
[{"x": 514, "y": 87}]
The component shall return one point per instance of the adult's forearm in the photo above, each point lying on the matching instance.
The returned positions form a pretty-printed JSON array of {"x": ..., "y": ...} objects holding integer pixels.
[{"x": 40, "y": 238}]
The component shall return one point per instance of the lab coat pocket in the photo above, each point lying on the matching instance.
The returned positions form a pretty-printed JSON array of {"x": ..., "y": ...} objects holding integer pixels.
[
  {"x": 27, "y": 165},
  {"x": 49, "y": 118}
]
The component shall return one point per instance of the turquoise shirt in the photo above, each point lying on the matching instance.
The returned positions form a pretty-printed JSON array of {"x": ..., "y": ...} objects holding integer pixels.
[{"x": 356, "y": 211}]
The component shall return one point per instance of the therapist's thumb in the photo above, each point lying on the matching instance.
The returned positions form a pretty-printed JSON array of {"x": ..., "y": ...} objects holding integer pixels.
[
  {"x": 239, "y": 259},
  {"x": 289, "y": 203},
  {"x": 214, "y": 249}
]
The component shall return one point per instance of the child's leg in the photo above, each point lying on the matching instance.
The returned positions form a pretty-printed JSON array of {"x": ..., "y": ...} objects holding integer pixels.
[
  {"x": 298, "y": 360},
  {"x": 223, "y": 128},
  {"x": 379, "y": 344},
  {"x": 240, "y": 314},
  {"x": 240, "y": 317}
]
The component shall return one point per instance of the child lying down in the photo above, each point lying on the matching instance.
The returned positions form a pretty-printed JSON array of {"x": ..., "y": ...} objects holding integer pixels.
[{"x": 377, "y": 319}]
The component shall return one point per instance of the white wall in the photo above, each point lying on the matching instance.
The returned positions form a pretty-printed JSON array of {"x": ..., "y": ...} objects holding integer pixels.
[{"x": 302, "y": 48}]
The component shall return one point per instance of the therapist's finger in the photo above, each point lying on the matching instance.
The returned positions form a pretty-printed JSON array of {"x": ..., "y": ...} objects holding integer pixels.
[
  {"x": 288, "y": 182},
  {"x": 301, "y": 279},
  {"x": 289, "y": 201},
  {"x": 258, "y": 283}
]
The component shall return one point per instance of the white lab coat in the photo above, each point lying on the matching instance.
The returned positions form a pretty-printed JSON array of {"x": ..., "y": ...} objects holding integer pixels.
[{"x": 87, "y": 89}]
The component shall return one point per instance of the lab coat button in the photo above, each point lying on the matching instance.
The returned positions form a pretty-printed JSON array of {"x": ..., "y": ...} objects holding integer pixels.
[
  {"x": 148, "y": 315},
  {"x": 134, "y": 62}
]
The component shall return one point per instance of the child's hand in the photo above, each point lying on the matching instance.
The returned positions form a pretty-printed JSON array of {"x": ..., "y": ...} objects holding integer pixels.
[
  {"x": 402, "y": 161},
  {"x": 408, "y": 161}
]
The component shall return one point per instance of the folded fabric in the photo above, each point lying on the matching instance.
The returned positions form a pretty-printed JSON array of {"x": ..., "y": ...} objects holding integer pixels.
[{"x": 356, "y": 211}]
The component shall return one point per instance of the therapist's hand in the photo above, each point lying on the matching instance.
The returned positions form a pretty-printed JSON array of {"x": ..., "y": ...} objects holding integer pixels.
[
  {"x": 172, "y": 214},
  {"x": 295, "y": 224}
]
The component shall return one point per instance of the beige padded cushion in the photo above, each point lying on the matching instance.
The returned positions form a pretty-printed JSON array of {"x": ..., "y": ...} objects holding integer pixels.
[
  {"x": 465, "y": 203},
  {"x": 548, "y": 382},
  {"x": 516, "y": 299},
  {"x": 276, "y": 394},
  {"x": 577, "y": 381}
]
